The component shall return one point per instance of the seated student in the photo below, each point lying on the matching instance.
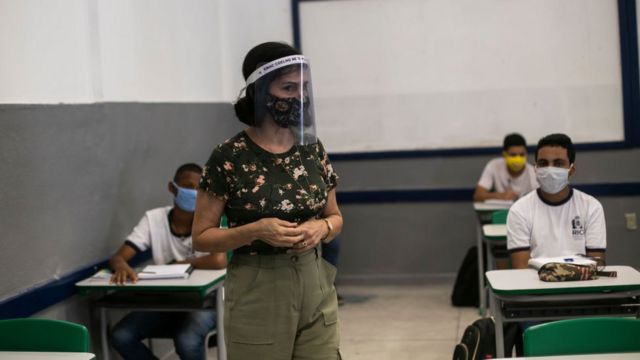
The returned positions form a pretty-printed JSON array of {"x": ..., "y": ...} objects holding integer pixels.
[
  {"x": 167, "y": 231},
  {"x": 556, "y": 220},
  {"x": 508, "y": 177}
]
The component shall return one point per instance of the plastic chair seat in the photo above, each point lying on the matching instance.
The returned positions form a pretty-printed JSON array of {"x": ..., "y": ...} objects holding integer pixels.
[
  {"x": 43, "y": 335},
  {"x": 583, "y": 336}
]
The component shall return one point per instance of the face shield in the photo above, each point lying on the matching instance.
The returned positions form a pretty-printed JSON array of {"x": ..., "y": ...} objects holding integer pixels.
[{"x": 283, "y": 96}]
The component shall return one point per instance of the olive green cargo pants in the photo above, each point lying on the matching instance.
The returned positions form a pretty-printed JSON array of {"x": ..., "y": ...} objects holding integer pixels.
[{"x": 281, "y": 307}]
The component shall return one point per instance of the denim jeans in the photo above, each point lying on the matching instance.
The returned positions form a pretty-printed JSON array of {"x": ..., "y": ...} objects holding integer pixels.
[{"x": 187, "y": 329}]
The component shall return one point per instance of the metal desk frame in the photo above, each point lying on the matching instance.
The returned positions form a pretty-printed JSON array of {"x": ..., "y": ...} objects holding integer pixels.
[{"x": 483, "y": 211}]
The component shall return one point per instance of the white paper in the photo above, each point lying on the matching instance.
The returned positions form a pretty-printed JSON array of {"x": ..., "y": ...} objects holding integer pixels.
[{"x": 579, "y": 260}]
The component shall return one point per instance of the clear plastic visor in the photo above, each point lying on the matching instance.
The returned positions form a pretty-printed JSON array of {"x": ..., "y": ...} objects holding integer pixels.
[{"x": 284, "y": 98}]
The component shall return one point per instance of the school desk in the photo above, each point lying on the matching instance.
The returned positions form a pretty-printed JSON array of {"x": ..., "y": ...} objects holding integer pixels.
[
  {"x": 192, "y": 294},
  {"x": 519, "y": 295},
  {"x": 45, "y": 355}
]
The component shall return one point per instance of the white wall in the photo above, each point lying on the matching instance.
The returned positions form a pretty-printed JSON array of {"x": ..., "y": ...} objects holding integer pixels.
[
  {"x": 83, "y": 51},
  {"x": 45, "y": 51}
]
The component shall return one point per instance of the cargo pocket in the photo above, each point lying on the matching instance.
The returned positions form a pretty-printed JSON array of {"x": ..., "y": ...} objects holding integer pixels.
[
  {"x": 252, "y": 305},
  {"x": 330, "y": 315},
  {"x": 326, "y": 276}
]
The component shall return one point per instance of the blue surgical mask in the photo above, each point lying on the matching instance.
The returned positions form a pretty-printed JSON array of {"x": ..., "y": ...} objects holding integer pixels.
[{"x": 186, "y": 198}]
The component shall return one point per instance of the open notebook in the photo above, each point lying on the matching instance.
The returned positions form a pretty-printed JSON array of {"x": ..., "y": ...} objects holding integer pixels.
[
  {"x": 173, "y": 271},
  {"x": 578, "y": 260}
]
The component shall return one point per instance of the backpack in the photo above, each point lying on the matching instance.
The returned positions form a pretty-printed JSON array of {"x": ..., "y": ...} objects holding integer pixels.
[
  {"x": 465, "y": 289},
  {"x": 479, "y": 341}
]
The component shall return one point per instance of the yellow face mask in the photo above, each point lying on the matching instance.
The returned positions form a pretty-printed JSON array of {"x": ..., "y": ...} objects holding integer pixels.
[{"x": 515, "y": 163}]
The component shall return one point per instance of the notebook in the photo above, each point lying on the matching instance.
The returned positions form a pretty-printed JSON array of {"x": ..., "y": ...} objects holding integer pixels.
[
  {"x": 173, "y": 271},
  {"x": 579, "y": 260}
]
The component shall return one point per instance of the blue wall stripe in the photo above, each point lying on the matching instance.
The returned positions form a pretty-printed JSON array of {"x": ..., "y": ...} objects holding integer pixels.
[
  {"x": 41, "y": 297},
  {"x": 404, "y": 154},
  {"x": 466, "y": 194}
]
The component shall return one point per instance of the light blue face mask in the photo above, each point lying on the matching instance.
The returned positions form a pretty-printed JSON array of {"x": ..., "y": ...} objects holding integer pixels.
[{"x": 186, "y": 198}]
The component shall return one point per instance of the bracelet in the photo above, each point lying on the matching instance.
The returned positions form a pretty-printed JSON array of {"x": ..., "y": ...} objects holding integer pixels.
[{"x": 329, "y": 228}]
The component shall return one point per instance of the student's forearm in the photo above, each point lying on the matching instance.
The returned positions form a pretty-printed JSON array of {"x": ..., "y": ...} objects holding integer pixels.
[
  {"x": 520, "y": 259},
  {"x": 222, "y": 240},
  {"x": 596, "y": 254},
  {"x": 482, "y": 194}
]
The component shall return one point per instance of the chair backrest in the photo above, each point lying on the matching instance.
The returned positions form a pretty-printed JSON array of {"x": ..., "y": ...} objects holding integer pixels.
[
  {"x": 583, "y": 336},
  {"x": 499, "y": 217},
  {"x": 43, "y": 335}
]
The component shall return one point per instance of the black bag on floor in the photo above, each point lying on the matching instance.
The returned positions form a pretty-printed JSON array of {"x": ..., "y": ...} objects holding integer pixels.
[
  {"x": 479, "y": 341},
  {"x": 465, "y": 289}
]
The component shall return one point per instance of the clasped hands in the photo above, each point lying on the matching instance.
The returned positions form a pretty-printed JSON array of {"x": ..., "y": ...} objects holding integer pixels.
[{"x": 298, "y": 237}]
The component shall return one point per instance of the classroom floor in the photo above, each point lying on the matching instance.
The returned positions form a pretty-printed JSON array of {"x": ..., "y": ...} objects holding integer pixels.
[{"x": 399, "y": 322}]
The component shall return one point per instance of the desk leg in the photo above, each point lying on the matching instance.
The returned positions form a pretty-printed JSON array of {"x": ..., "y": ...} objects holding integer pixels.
[
  {"x": 497, "y": 315},
  {"x": 482, "y": 306},
  {"x": 490, "y": 260},
  {"x": 104, "y": 341},
  {"x": 222, "y": 347}
]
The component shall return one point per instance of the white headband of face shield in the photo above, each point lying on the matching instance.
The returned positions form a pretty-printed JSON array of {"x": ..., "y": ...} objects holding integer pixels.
[{"x": 275, "y": 64}]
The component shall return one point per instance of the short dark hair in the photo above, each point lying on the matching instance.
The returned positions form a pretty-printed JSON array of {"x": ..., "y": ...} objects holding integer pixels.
[
  {"x": 514, "y": 139},
  {"x": 187, "y": 167},
  {"x": 256, "y": 57},
  {"x": 560, "y": 140}
]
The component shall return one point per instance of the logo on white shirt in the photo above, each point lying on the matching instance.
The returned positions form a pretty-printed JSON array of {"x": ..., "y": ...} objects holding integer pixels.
[{"x": 577, "y": 228}]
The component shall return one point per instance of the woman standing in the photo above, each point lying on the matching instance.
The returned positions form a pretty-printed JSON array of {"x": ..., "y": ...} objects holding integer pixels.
[{"x": 276, "y": 185}]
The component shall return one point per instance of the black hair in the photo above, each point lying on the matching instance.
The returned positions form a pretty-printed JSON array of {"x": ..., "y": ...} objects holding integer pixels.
[
  {"x": 256, "y": 57},
  {"x": 560, "y": 140},
  {"x": 514, "y": 139},
  {"x": 187, "y": 167}
]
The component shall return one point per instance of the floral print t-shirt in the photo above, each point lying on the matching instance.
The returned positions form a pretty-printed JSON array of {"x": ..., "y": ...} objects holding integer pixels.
[{"x": 255, "y": 183}]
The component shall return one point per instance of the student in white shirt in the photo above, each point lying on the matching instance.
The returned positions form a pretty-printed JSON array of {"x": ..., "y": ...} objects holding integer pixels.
[
  {"x": 167, "y": 232},
  {"x": 556, "y": 220},
  {"x": 508, "y": 177}
]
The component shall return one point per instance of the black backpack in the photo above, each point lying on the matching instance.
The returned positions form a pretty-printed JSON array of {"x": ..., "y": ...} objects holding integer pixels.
[
  {"x": 465, "y": 290},
  {"x": 479, "y": 341}
]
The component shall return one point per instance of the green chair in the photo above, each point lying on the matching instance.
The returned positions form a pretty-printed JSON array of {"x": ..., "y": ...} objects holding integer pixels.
[
  {"x": 43, "y": 335},
  {"x": 499, "y": 217},
  {"x": 583, "y": 336}
]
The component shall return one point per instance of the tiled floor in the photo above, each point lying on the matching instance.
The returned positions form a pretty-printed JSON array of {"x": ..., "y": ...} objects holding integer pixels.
[
  {"x": 398, "y": 322},
  {"x": 401, "y": 322}
]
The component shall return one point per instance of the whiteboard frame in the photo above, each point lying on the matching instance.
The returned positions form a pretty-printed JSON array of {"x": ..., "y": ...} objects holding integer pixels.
[{"x": 627, "y": 23}]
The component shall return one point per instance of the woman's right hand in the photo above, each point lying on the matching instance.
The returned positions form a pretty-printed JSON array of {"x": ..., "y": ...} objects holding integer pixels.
[
  {"x": 279, "y": 233},
  {"x": 122, "y": 274}
]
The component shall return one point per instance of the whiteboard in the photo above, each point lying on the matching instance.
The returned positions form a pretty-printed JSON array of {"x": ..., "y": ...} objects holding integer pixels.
[{"x": 442, "y": 74}]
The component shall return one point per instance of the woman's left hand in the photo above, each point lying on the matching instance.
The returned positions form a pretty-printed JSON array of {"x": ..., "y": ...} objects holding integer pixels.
[{"x": 314, "y": 231}]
